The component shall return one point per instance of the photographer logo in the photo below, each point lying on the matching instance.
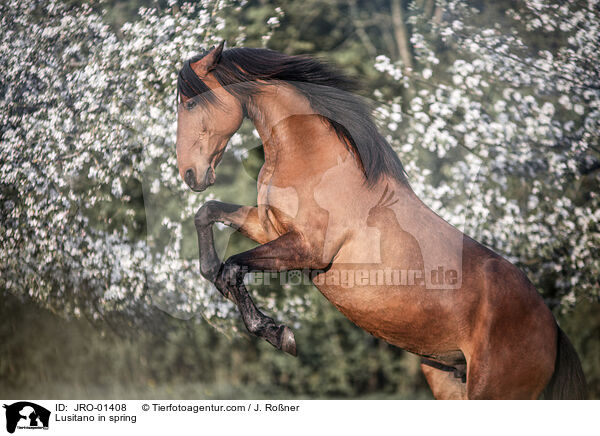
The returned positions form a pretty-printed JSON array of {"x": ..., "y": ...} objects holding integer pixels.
[{"x": 26, "y": 415}]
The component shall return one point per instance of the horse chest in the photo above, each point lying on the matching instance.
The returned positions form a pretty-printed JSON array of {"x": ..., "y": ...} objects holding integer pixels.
[{"x": 277, "y": 205}]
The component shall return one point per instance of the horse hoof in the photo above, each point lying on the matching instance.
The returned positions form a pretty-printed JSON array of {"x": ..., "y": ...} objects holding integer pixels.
[{"x": 288, "y": 342}]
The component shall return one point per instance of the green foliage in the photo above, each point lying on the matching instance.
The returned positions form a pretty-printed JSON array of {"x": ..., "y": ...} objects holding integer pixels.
[{"x": 45, "y": 356}]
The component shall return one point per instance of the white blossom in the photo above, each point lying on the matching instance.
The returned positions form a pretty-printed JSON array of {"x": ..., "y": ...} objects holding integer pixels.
[{"x": 513, "y": 135}]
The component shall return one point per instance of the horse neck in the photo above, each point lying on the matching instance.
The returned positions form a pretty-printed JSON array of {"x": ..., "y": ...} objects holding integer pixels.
[{"x": 272, "y": 112}]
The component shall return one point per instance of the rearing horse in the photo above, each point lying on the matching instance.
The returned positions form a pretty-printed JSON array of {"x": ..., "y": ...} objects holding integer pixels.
[{"x": 333, "y": 201}]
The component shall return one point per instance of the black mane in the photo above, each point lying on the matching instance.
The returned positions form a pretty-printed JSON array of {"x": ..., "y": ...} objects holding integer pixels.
[{"x": 327, "y": 90}]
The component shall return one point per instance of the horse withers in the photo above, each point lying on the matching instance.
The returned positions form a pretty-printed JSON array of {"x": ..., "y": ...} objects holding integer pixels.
[{"x": 334, "y": 201}]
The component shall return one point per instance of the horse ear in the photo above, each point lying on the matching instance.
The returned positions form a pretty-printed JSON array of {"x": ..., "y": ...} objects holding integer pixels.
[{"x": 208, "y": 62}]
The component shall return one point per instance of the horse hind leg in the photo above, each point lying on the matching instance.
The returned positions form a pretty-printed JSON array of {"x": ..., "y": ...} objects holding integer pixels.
[
  {"x": 512, "y": 350},
  {"x": 444, "y": 384},
  {"x": 501, "y": 374}
]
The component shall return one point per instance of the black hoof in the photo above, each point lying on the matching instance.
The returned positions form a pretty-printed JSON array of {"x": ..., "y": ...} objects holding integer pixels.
[{"x": 288, "y": 342}]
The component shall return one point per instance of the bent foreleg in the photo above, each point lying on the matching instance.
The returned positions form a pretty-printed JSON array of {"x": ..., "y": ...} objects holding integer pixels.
[{"x": 288, "y": 252}]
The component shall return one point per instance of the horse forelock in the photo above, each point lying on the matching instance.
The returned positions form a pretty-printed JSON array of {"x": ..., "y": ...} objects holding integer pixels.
[{"x": 190, "y": 85}]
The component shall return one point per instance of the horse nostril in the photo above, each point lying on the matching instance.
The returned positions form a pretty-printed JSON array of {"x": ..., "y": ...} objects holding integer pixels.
[{"x": 190, "y": 178}]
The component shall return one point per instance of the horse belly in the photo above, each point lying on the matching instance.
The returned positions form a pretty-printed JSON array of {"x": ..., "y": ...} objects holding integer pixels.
[{"x": 410, "y": 317}]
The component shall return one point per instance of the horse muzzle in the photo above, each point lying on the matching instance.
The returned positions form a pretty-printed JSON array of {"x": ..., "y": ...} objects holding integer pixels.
[{"x": 196, "y": 185}]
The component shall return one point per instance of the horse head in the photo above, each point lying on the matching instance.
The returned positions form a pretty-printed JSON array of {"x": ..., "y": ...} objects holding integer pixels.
[{"x": 207, "y": 116}]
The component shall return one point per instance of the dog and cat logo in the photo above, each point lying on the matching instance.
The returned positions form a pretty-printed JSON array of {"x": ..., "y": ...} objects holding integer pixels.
[{"x": 26, "y": 415}]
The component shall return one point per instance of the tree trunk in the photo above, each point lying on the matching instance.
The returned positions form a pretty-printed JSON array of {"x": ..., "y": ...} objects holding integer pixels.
[{"x": 401, "y": 34}]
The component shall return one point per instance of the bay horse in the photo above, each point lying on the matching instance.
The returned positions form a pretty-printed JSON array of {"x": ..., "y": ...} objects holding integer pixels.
[{"x": 334, "y": 202}]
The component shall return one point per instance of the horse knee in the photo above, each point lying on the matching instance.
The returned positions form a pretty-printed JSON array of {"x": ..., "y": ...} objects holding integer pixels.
[
  {"x": 209, "y": 268},
  {"x": 232, "y": 272},
  {"x": 205, "y": 215}
]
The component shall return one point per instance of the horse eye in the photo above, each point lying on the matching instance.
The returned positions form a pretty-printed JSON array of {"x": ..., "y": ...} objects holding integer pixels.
[{"x": 190, "y": 104}]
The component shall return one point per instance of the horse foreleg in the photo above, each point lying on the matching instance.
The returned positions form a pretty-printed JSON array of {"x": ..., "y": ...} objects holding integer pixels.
[
  {"x": 242, "y": 218},
  {"x": 288, "y": 252},
  {"x": 228, "y": 278}
]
